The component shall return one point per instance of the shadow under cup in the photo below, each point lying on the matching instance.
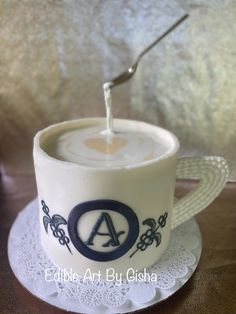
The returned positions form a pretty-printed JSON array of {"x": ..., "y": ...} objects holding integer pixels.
[{"x": 104, "y": 219}]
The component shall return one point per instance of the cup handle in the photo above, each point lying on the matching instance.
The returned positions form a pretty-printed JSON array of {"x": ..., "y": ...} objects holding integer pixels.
[{"x": 212, "y": 173}]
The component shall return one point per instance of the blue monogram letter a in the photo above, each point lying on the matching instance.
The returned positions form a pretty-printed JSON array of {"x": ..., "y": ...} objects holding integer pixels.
[{"x": 114, "y": 236}]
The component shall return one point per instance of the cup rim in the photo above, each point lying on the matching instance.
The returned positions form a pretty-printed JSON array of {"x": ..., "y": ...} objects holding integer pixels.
[{"x": 96, "y": 121}]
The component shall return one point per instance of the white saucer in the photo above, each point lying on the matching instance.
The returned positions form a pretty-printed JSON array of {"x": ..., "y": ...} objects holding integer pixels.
[{"x": 28, "y": 262}]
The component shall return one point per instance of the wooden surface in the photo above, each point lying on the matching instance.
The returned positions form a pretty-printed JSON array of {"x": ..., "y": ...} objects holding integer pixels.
[{"x": 210, "y": 290}]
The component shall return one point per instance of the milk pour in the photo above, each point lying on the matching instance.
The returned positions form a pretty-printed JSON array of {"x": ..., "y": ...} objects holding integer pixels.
[{"x": 109, "y": 116}]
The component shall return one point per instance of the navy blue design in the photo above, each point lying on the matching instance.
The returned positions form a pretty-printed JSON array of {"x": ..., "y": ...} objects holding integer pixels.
[
  {"x": 54, "y": 222},
  {"x": 151, "y": 234},
  {"x": 114, "y": 206},
  {"x": 114, "y": 236}
]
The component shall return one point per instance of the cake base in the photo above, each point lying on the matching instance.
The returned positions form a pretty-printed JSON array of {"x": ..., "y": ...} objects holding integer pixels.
[{"x": 38, "y": 274}]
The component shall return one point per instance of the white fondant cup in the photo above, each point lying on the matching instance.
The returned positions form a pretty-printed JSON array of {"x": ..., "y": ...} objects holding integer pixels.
[{"x": 98, "y": 219}]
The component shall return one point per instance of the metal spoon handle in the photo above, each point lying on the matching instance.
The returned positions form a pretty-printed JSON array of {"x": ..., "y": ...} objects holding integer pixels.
[
  {"x": 162, "y": 36},
  {"x": 123, "y": 77}
]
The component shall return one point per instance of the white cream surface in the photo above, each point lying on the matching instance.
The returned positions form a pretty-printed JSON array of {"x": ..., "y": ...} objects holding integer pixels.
[{"x": 92, "y": 146}]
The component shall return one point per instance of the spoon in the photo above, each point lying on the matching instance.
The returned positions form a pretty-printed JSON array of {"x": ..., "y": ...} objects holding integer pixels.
[{"x": 126, "y": 75}]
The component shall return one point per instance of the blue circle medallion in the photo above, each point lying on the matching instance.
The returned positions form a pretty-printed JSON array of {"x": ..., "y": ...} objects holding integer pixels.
[{"x": 103, "y": 205}]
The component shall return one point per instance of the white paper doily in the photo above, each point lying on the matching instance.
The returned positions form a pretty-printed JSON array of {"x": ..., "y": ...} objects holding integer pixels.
[{"x": 28, "y": 262}]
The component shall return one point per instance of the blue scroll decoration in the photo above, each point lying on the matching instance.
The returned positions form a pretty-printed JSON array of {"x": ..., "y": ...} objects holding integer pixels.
[
  {"x": 151, "y": 234},
  {"x": 54, "y": 222}
]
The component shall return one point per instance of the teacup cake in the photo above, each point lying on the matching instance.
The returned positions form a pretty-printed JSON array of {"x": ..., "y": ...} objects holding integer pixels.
[{"x": 105, "y": 201}]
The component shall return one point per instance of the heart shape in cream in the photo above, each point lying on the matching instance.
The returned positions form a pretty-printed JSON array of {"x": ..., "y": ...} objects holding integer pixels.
[{"x": 103, "y": 146}]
